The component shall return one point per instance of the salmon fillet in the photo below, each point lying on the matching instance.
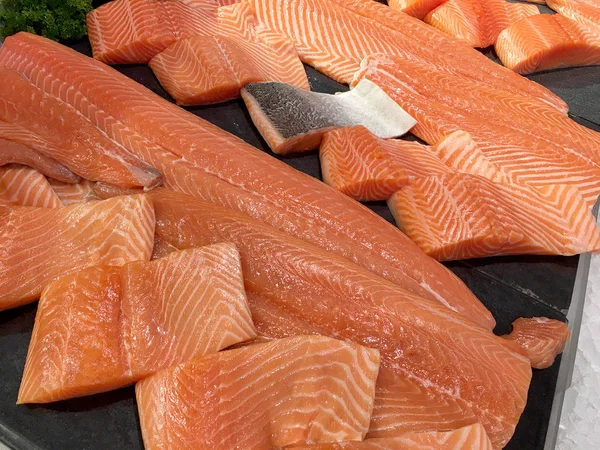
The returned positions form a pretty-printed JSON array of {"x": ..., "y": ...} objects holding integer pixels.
[
  {"x": 106, "y": 327},
  {"x": 40, "y": 244},
  {"x": 24, "y": 186},
  {"x": 541, "y": 339},
  {"x": 205, "y": 161},
  {"x": 586, "y": 12},
  {"x": 415, "y": 8},
  {"x": 209, "y": 69},
  {"x": 478, "y": 22},
  {"x": 73, "y": 193},
  {"x": 305, "y": 389},
  {"x": 302, "y": 284},
  {"x": 460, "y": 216},
  {"x": 14, "y": 153},
  {"x": 547, "y": 42},
  {"x": 472, "y": 437}
]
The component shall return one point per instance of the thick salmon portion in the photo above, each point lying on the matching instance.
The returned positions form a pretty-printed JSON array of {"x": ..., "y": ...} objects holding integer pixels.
[
  {"x": 106, "y": 327},
  {"x": 15, "y": 153},
  {"x": 461, "y": 216},
  {"x": 40, "y": 244},
  {"x": 547, "y": 42},
  {"x": 415, "y": 8},
  {"x": 305, "y": 389},
  {"x": 73, "y": 193},
  {"x": 24, "y": 186},
  {"x": 540, "y": 338},
  {"x": 420, "y": 352},
  {"x": 205, "y": 161},
  {"x": 528, "y": 140},
  {"x": 586, "y": 12},
  {"x": 209, "y": 69},
  {"x": 472, "y": 437}
]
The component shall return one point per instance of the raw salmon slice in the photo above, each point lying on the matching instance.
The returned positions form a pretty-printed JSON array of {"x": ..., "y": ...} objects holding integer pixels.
[
  {"x": 33, "y": 118},
  {"x": 15, "y": 153},
  {"x": 415, "y": 8},
  {"x": 547, "y": 42},
  {"x": 461, "y": 216},
  {"x": 424, "y": 358},
  {"x": 586, "y": 12},
  {"x": 105, "y": 327},
  {"x": 478, "y": 22},
  {"x": 300, "y": 390},
  {"x": 472, "y": 437},
  {"x": 41, "y": 244},
  {"x": 24, "y": 186},
  {"x": 365, "y": 167},
  {"x": 73, "y": 193},
  {"x": 242, "y": 178},
  {"x": 541, "y": 339},
  {"x": 353, "y": 29}
]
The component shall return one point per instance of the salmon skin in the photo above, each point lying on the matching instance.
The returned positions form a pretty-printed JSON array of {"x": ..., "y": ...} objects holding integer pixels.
[
  {"x": 586, "y": 12},
  {"x": 40, "y": 244},
  {"x": 24, "y": 186},
  {"x": 73, "y": 193},
  {"x": 560, "y": 42},
  {"x": 293, "y": 120},
  {"x": 305, "y": 389},
  {"x": 538, "y": 148},
  {"x": 471, "y": 437},
  {"x": 209, "y": 69},
  {"x": 541, "y": 339},
  {"x": 415, "y": 8},
  {"x": 201, "y": 159},
  {"x": 15, "y": 153},
  {"x": 298, "y": 285},
  {"x": 105, "y": 327},
  {"x": 478, "y": 22}
]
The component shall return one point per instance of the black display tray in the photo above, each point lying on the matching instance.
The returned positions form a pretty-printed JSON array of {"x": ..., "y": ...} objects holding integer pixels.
[{"x": 510, "y": 287}]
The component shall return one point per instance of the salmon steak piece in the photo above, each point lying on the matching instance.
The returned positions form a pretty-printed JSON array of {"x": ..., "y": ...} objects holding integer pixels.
[
  {"x": 586, "y": 12},
  {"x": 73, "y": 193},
  {"x": 40, "y": 245},
  {"x": 460, "y": 216},
  {"x": 24, "y": 186},
  {"x": 415, "y": 8},
  {"x": 209, "y": 69},
  {"x": 106, "y": 327},
  {"x": 547, "y": 42},
  {"x": 478, "y": 22},
  {"x": 471, "y": 437},
  {"x": 200, "y": 159},
  {"x": 15, "y": 153},
  {"x": 288, "y": 392},
  {"x": 541, "y": 339}
]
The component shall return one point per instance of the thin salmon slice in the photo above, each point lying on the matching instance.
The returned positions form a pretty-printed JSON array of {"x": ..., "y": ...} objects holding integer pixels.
[
  {"x": 540, "y": 338},
  {"x": 33, "y": 118},
  {"x": 478, "y": 22},
  {"x": 209, "y": 69},
  {"x": 353, "y": 29},
  {"x": 423, "y": 358},
  {"x": 242, "y": 178},
  {"x": 365, "y": 167},
  {"x": 24, "y": 186},
  {"x": 73, "y": 193},
  {"x": 40, "y": 244},
  {"x": 472, "y": 437},
  {"x": 106, "y": 327},
  {"x": 15, "y": 153},
  {"x": 415, "y": 8},
  {"x": 586, "y": 12},
  {"x": 462, "y": 216},
  {"x": 548, "y": 42},
  {"x": 305, "y": 389}
]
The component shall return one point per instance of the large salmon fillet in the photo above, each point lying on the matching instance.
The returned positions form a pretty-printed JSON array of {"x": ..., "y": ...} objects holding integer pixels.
[
  {"x": 586, "y": 12},
  {"x": 471, "y": 437},
  {"x": 39, "y": 245},
  {"x": 354, "y": 29},
  {"x": 106, "y": 327},
  {"x": 209, "y": 69},
  {"x": 478, "y": 22},
  {"x": 201, "y": 159},
  {"x": 415, "y": 8},
  {"x": 24, "y": 186},
  {"x": 428, "y": 352},
  {"x": 548, "y": 42},
  {"x": 529, "y": 141},
  {"x": 288, "y": 392},
  {"x": 460, "y": 216},
  {"x": 73, "y": 193}
]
